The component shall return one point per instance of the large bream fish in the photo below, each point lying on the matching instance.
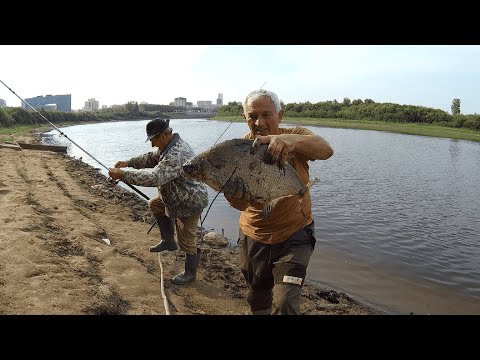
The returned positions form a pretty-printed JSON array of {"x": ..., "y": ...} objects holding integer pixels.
[{"x": 244, "y": 169}]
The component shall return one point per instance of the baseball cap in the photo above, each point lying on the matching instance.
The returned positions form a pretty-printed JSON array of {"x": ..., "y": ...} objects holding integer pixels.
[{"x": 157, "y": 126}]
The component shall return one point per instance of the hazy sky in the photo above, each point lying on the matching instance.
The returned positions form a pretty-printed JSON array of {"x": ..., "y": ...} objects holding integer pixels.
[{"x": 425, "y": 75}]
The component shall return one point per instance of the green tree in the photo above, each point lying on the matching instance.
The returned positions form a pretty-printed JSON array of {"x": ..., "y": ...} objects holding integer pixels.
[
  {"x": 132, "y": 107},
  {"x": 455, "y": 107},
  {"x": 5, "y": 119}
]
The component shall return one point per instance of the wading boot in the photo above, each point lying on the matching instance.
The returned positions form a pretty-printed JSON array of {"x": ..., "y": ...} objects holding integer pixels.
[
  {"x": 167, "y": 232},
  {"x": 190, "y": 273}
]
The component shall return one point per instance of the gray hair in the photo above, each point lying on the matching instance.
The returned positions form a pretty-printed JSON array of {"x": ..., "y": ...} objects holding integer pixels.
[{"x": 257, "y": 94}]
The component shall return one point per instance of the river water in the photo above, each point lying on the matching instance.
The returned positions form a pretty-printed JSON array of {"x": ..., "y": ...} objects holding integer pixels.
[{"x": 396, "y": 215}]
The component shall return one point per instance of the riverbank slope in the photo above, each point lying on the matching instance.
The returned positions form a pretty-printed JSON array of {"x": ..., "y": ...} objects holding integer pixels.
[{"x": 71, "y": 242}]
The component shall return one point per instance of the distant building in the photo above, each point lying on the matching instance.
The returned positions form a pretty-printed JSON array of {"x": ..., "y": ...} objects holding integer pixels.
[
  {"x": 91, "y": 105},
  {"x": 220, "y": 100},
  {"x": 63, "y": 102},
  {"x": 3, "y": 103},
  {"x": 181, "y": 102},
  {"x": 204, "y": 104}
]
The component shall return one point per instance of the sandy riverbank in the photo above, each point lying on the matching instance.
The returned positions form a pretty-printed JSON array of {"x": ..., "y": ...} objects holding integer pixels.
[{"x": 55, "y": 214}]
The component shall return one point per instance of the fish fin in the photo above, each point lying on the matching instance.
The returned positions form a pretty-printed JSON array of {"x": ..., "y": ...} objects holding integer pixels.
[
  {"x": 267, "y": 210},
  {"x": 268, "y": 207},
  {"x": 312, "y": 182}
]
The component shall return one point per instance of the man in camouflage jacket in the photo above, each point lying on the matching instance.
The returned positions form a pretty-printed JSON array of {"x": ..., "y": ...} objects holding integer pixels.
[{"x": 180, "y": 201}]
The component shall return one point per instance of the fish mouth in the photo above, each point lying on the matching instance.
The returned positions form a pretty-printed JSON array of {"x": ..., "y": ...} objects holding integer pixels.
[
  {"x": 194, "y": 169},
  {"x": 189, "y": 168}
]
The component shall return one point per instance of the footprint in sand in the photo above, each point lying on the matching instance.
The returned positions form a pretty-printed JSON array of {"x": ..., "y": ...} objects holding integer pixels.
[{"x": 3, "y": 191}]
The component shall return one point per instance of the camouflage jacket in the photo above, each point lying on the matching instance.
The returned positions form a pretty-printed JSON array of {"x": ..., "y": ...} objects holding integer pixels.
[{"x": 182, "y": 197}]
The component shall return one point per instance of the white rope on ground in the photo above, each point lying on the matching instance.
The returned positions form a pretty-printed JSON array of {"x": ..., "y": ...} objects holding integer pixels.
[
  {"x": 162, "y": 290},
  {"x": 165, "y": 301}
]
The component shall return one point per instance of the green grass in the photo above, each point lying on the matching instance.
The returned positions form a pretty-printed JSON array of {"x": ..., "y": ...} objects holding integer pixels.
[
  {"x": 14, "y": 132},
  {"x": 410, "y": 129}
]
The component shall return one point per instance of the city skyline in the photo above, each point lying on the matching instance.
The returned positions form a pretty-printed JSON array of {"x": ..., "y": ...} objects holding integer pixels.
[
  {"x": 421, "y": 75},
  {"x": 93, "y": 104}
]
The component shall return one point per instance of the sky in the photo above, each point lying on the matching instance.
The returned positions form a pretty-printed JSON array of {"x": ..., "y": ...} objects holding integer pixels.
[{"x": 423, "y": 75}]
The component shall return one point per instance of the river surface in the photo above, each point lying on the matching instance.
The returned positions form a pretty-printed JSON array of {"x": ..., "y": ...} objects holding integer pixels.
[{"x": 396, "y": 216}]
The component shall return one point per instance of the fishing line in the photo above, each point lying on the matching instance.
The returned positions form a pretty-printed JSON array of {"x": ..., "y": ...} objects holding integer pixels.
[
  {"x": 231, "y": 122},
  {"x": 218, "y": 193},
  {"x": 63, "y": 134},
  {"x": 167, "y": 310}
]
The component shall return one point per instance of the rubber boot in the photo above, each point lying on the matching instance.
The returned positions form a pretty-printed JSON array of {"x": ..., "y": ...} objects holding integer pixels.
[
  {"x": 262, "y": 312},
  {"x": 167, "y": 232},
  {"x": 190, "y": 273}
]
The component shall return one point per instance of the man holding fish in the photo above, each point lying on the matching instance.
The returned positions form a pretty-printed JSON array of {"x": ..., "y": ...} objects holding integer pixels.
[{"x": 275, "y": 251}]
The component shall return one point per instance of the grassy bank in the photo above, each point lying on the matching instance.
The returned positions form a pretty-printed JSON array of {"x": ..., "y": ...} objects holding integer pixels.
[
  {"x": 19, "y": 132},
  {"x": 12, "y": 133},
  {"x": 411, "y": 129}
]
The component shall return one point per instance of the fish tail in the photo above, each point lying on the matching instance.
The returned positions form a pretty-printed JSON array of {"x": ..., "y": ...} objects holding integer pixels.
[{"x": 312, "y": 182}]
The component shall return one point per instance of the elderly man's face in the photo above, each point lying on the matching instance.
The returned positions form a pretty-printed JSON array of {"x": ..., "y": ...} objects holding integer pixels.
[{"x": 262, "y": 118}]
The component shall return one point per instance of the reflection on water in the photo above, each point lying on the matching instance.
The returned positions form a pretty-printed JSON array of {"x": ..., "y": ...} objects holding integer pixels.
[
  {"x": 402, "y": 208},
  {"x": 454, "y": 150}
]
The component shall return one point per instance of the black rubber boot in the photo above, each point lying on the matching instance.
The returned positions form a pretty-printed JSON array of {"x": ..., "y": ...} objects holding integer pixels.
[
  {"x": 190, "y": 273},
  {"x": 167, "y": 231}
]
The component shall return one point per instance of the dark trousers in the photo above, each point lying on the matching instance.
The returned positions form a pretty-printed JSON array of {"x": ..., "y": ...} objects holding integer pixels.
[{"x": 276, "y": 273}]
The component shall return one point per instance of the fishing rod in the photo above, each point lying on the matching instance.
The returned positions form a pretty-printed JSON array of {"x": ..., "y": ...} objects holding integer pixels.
[
  {"x": 218, "y": 193},
  {"x": 63, "y": 134},
  {"x": 231, "y": 122}
]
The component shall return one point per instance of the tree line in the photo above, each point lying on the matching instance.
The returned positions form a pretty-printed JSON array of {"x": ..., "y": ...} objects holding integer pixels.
[
  {"x": 371, "y": 111},
  {"x": 10, "y": 116}
]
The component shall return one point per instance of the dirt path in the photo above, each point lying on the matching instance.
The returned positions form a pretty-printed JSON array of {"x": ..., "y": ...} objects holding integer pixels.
[{"x": 55, "y": 213}]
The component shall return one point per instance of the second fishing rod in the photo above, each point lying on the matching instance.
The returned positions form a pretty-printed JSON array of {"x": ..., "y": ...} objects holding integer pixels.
[{"x": 73, "y": 142}]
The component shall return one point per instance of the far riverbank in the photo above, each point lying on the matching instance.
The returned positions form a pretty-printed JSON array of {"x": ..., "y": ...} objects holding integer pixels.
[{"x": 407, "y": 128}]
